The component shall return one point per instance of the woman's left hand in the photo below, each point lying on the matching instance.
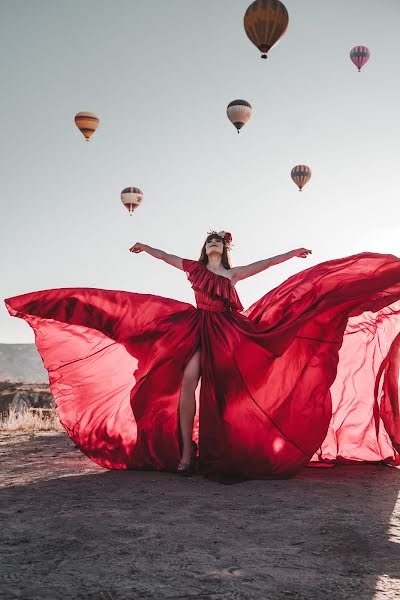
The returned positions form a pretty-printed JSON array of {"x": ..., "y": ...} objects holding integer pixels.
[
  {"x": 301, "y": 252},
  {"x": 136, "y": 248}
]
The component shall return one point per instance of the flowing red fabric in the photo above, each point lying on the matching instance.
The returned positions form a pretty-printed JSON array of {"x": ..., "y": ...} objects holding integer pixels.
[{"x": 309, "y": 372}]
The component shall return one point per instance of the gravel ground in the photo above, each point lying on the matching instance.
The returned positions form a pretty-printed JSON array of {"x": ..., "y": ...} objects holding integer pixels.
[{"x": 70, "y": 529}]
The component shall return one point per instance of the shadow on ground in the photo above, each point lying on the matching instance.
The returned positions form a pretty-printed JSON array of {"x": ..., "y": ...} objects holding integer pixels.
[{"x": 73, "y": 530}]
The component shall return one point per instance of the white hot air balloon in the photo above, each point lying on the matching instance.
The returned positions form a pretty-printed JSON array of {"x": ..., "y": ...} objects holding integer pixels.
[
  {"x": 239, "y": 112},
  {"x": 131, "y": 198}
]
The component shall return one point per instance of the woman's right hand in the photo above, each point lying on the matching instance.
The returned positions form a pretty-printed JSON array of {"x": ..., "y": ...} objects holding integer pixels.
[
  {"x": 138, "y": 247},
  {"x": 301, "y": 252}
]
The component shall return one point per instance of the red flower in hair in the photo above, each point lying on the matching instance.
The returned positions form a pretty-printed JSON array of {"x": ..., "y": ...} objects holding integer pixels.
[{"x": 228, "y": 237}]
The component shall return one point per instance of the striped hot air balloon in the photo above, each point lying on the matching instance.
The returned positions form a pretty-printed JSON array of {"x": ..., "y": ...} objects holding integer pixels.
[
  {"x": 265, "y": 21},
  {"x": 131, "y": 197},
  {"x": 359, "y": 56},
  {"x": 301, "y": 174},
  {"x": 87, "y": 122},
  {"x": 239, "y": 112}
]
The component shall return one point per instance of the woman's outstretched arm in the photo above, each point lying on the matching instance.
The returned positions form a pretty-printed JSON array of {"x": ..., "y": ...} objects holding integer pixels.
[
  {"x": 239, "y": 273},
  {"x": 171, "y": 259}
]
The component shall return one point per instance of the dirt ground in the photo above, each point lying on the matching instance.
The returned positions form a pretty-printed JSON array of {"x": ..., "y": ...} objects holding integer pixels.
[{"x": 70, "y": 529}]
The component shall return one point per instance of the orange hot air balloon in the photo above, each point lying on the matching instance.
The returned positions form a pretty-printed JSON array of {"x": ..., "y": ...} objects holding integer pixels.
[
  {"x": 301, "y": 174},
  {"x": 265, "y": 21},
  {"x": 131, "y": 197},
  {"x": 87, "y": 122}
]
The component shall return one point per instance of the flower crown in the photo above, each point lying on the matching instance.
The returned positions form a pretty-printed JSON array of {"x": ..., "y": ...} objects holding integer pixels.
[{"x": 225, "y": 235}]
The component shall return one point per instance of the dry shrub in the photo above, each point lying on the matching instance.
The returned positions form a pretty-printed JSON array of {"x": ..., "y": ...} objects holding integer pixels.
[{"x": 30, "y": 420}]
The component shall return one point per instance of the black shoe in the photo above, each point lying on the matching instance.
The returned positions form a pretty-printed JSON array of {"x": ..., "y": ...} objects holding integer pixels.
[{"x": 187, "y": 469}]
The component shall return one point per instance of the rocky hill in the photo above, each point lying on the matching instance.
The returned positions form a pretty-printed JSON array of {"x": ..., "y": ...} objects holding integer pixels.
[
  {"x": 21, "y": 396},
  {"x": 21, "y": 363}
]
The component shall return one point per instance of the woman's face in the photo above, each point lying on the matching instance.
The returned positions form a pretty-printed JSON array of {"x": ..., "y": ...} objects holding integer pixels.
[{"x": 214, "y": 245}]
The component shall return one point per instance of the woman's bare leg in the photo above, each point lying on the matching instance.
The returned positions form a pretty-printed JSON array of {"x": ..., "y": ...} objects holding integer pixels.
[{"x": 187, "y": 404}]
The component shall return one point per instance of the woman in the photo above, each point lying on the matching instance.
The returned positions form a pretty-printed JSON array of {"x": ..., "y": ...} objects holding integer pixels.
[
  {"x": 215, "y": 254},
  {"x": 327, "y": 336}
]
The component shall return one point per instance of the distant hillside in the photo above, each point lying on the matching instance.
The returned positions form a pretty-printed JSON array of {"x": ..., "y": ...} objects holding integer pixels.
[
  {"x": 22, "y": 396},
  {"x": 21, "y": 362}
]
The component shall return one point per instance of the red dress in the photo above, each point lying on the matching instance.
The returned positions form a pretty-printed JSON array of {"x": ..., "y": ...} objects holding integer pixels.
[{"x": 310, "y": 371}]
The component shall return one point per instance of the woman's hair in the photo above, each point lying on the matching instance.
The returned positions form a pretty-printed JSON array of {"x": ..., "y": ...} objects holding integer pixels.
[{"x": 226, "y": 254}]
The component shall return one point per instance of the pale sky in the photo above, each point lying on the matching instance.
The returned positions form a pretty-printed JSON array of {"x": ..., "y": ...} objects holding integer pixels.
[{"x": 159, "y": 75}]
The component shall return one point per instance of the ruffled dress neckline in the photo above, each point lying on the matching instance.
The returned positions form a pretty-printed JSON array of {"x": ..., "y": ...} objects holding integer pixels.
[
  {"x": 215, "y": 286},
  {"x": 218, "y": 274}
]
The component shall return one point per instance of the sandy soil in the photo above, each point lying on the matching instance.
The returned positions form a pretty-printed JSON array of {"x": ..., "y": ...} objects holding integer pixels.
[{"x": 70, "y": 529}]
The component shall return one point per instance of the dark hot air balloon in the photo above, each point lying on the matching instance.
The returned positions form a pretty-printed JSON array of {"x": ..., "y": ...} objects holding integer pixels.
[
  {"x": 87, "y": 122},
  {"x": 359, "y": 56},
  {"x": 265, "y": 21},
  {"x": 131, "y": 198},
  {"x": 239, "y": 112},
  {"x": 301, "y": 174}
]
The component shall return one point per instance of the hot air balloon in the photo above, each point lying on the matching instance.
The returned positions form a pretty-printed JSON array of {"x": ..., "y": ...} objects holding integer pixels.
[
  {"x": 131, "y": 197},
  {"x": 359, "y": 56},
  {"x": 301, "y": 174},
  {"x": 239, "y": 112},
  {"x": 265, "y": 21},
  {"x": 87, "y": 122}
]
